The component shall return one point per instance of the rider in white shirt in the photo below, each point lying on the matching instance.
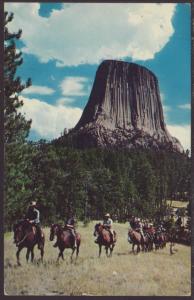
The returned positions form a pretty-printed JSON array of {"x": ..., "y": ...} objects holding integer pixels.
[{"x": 107, "y": 223}]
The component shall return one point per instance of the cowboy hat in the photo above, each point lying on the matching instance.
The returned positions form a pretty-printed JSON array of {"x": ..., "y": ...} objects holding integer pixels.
[
  {"x": 107, "y": 215},
  {"x": 33, "y": 203}
]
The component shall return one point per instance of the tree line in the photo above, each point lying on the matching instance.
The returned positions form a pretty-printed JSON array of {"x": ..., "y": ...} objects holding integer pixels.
[{"x": 88, "y": 182}]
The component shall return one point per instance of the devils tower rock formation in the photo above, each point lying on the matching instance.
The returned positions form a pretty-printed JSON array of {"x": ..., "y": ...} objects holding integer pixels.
[{"x": 124, "y": 110}]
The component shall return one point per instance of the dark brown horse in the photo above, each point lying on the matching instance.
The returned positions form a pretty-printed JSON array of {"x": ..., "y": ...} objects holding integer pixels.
[
  {"x": 104, "y": 239},
  {"x": 160, "y": 240},
  {"x": 65, "y": 240},
  {"x": 25, "y": 236}
]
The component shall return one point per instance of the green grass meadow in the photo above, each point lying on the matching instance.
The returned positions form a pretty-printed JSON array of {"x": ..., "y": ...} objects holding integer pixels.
[{"x": 124, "y": 274}]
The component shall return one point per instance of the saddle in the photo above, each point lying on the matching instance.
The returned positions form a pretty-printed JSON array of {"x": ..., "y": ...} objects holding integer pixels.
[{"x": 114, "y": 233}]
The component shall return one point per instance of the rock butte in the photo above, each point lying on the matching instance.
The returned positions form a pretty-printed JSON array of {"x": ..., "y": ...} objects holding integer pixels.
[{"x": 124, "y": 110}]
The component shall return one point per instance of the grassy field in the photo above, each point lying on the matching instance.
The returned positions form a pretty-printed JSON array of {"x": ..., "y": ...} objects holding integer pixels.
[{"x": 147, "y": 274}]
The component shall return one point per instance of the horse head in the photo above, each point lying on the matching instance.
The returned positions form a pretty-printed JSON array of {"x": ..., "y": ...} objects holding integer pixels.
[
  {"x": 18, "y": 233},
  {"x": 97, "y": 228},
  {"x": 130, "y": 232},
  {"x": 53, "y": 231}
]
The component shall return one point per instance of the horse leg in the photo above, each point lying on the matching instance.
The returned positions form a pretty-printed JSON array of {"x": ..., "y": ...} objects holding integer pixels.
[
  {"x": 62, "y": 255},
  {"x": 111, "y": 250},
  {"x": 59, "y": 255},
  {"x": 42, "y": 253},
  {"x": 100, "y": 250},
  {"x": 17, "y": 256},
  {"x": 171, "y": 252},
  {"x": 73, "y": 250},
  {"x": 27, "y": 254},
  {"x": 77, "y": 251},
  {"x": 171, "y": 248},
  {"x": 151, "y": 246},
  {"x": 156, "y": 246},
  {"x": 32, "y": 254},
  {"x": 106, "y": 251}
]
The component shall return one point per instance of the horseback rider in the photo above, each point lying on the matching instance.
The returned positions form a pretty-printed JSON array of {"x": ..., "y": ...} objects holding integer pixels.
[
  {"x": 107, "y": 224},
  {"x": 178, "y": 222},
  {"x": 33, "y": 217},
  {"x": 70, "y": 225},
  {"x": 171, "y": 221},
  {"x": 139, "y": 227}
]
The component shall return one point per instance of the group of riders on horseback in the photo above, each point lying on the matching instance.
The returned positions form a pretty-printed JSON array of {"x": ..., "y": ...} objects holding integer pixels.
[
  {"x": 28, "y": 232},
  {"x": 32, "y": 219}
]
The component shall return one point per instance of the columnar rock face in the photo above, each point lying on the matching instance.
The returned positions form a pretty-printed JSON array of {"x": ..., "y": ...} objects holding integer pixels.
[{"x": 124, "y": 110}]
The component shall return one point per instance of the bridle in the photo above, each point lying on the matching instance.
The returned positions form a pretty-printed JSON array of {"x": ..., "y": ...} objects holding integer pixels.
[
  {"x": 54, "y": 230},
  {"x": 23, "y": 239}
]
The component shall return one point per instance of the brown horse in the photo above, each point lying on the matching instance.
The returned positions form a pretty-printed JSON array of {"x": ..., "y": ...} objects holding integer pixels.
[
  {"x": 104, "y": 239},
  {"x": 25, "y": 236},
  {"x": 135, "y": 238},
  {"x": 65, "y": 240},
  {"x": 160, "y": 240}
]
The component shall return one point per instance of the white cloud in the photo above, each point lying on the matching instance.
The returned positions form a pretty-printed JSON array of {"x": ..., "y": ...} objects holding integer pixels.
[
  {"x": 182, "y": 133},
  {"x": 65, "y": 101},
  {"x": 48, "y": 120},
  {"x": 166, "y": 108},
  {"x": 89, "y": 32},
  {"x": 74, "y": 86},
  {"x": 36, "y": 89},
  {"x": 185, "y": 106}
]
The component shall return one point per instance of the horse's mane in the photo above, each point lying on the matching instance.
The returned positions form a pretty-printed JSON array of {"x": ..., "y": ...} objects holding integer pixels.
[
  {"x": 60, "y": 227},
  {"x": 98, "y": 224},
  {"x": 19, "y": 223}
]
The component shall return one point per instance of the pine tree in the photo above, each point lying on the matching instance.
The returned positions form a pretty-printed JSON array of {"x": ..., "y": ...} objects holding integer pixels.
[{"x": 16, "y": 128}]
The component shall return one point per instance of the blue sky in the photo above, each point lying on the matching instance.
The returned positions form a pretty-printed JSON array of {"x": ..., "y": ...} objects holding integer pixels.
[{"x": 63, "y": 44}]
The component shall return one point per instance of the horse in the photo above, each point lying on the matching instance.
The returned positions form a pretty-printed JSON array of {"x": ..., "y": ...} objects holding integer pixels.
[
  {"x": 104, "y": 239},
  {"x": 65, "y": 240},
  {"x": 136, "y": 238},
  {"x": 184, "y": 235},
  {"x": 171, "y": 235},
  {"x": 25, "y": 236},
  {"x": 160, "y": 240}
]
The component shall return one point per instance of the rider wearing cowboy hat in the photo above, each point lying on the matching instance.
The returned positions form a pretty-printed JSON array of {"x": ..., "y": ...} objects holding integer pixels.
[
  {"x": 139, "y": 227},
  {"x": 70, "y": 225},
  {"x": 33, "y": 217},
  {"x": 107, "y": 223}
]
